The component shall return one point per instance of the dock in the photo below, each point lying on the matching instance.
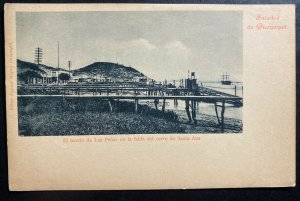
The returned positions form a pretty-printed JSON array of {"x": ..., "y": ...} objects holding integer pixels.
[{"x": 136, "y": 92}]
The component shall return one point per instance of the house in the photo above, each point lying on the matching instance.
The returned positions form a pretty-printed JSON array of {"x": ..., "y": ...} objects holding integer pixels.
[
  {"x": 51, "y": 75},
  {"x": 30, "y": 77}
]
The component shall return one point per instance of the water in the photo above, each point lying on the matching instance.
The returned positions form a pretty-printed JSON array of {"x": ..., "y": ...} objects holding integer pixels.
[
  {"x": 229, "y": 89},
  {"x": 208, "y": 108},
  {"x": 202, "y": 108}
]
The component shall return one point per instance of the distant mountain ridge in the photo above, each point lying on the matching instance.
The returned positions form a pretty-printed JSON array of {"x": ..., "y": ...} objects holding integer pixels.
[{"x": 112, "y": 71}]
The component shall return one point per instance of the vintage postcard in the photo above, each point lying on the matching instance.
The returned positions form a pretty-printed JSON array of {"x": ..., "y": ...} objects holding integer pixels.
[{"x": 130, "y": 96}]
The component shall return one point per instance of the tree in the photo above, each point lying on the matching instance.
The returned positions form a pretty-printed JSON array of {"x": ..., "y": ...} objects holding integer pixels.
[{"x": 64, "y": 76}]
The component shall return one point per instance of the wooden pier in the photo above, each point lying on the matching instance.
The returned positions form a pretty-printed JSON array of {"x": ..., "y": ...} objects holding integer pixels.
[
  {"x": 190, "y": 102},
  {"x": 136, "y": 92},
  {"x": 122, "y": 89}
]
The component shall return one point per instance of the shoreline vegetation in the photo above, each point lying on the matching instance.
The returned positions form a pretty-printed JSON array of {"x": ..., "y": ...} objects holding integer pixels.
[{"x": 88, "y": 116}]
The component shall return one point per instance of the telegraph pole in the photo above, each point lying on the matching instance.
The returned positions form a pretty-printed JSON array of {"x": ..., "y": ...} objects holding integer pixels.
[
  {"x": 58, "y": 55},
  {"x": 57, "y": 61},
  {"x": 38, "y": 55},
  {"x": 69, "y": 68}
]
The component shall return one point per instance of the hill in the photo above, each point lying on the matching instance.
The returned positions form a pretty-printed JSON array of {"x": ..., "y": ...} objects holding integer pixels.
[
  {"x": 23, "y": 67},
  {"x": 110, "y": 70},
  {"x": 27, "y": 71},
  {"x": 107, "y": 70}
]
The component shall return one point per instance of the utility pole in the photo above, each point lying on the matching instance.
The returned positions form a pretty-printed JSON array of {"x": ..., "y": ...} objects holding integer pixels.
[
  {"x": 58, "y": 55},
  {"x": 69, "y": 68},
  {"x": 57, "y": 61},
  {"x": 38, "y": 55},
  {"x": 93, "y": 75}
]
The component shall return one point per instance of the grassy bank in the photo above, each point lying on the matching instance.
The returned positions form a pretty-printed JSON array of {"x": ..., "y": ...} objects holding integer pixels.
[{"x": 62, "y": 116}]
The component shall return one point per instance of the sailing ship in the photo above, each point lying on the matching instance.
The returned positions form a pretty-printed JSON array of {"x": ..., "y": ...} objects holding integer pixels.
[{"x": 225, "y": 79}]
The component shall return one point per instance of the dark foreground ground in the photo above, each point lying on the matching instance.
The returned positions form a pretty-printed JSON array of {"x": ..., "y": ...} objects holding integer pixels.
[{"x": 89, "y": 116}]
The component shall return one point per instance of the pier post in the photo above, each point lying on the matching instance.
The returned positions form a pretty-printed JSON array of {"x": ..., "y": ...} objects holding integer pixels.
[
  {"x": 136, "y": 101},
  {"x": 187, "y": 109},
  {"x": 235, "y": 90},
  {"x": 242, "y": 92},
  {"x": 222, "y": 115},
  {"x": 110, "y": 105},
  {"x": 164, "y": 105},
  {"x": 156, "y": 103},
  {"x": 194, "y": 112},
  {"x": 216, "y": 109}
]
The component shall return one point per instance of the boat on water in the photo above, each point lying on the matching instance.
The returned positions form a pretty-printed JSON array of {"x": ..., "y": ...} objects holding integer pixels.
[{"x": 225, "y": 79}]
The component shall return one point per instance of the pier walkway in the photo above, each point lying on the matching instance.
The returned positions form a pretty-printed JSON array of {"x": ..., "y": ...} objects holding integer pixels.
[{"x": 136, "y": 93}]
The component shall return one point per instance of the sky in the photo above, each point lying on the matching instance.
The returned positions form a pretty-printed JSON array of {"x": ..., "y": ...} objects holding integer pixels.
[{"x": 164, "y": 45}]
